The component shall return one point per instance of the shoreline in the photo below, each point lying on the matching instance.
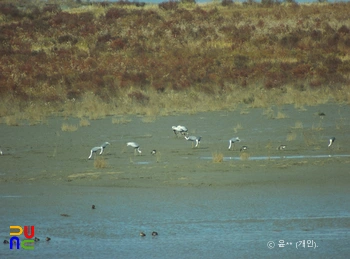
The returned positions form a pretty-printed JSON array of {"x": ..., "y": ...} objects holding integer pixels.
[{"x": 45, "y": 153}]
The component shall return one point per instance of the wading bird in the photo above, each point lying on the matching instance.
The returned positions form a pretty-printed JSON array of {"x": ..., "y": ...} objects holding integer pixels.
[
  {"x": 101, "y": 148},
  {"x": 232, "y": 141},
  {"x": 179, "y": 129},
  {"x": 194, "y": 139},
  {"x": 331, "y": 141},
  {"x": 135, "y": 146}
]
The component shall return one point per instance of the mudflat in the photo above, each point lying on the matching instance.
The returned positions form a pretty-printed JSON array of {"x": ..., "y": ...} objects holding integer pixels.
[{"x": 46, "y": 153}]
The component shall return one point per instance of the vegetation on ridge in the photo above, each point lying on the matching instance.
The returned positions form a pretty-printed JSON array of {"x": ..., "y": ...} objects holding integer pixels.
[{"x": 137, "y": 58}]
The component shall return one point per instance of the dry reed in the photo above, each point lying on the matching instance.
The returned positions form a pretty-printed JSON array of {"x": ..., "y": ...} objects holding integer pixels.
[
  {"x": 218, "y": 157},
  {"x": 69, "y": 127},
  {"x": 84, "y": 122},
  {"x": 100, "y": 162}
]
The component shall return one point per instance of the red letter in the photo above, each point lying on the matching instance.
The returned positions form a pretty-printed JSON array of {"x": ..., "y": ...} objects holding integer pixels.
[{"x": 31, "y": 232}]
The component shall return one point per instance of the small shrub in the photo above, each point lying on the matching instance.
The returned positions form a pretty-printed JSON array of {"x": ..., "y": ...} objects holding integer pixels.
[
  {"x": 170, "y": 5},
  {"x": 51, "y": 8},
  {"x": 218, "y": 157},
  {"x": 84, "y": 122},
  {"x": 244, "y": 156},
  {"x": 68, "y": 127},
  {"x": 291, "y": 136},
  {"x": 227, "y": 2},
  {"x": 138, "y": 97},
  {"x": 100, "y": 162}
]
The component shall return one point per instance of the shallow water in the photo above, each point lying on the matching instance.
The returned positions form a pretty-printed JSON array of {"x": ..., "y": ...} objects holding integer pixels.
[
  {"x": 279, "y": 157},
  {"x": 204, "y": 222}
]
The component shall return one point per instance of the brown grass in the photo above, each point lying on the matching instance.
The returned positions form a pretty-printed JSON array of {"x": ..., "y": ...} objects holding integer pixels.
[
  {"x": 237, "y": 127},
  {"x": 298, "y": 125},
  {"x": 218, "y": 157},
  {"x": 149, "y": 119},
  {"x": 69, "y": 127},
  {"x": 77, "y": 62},
  {"x": 291, "y": 136},
  {"x": 244, "y": 156},
  {"x": 100, "y": 162},
  {"x": 84, "y": 122},
  {"x": 11, "y": 120},
  {"x": 281, "y": 115},
  {"x": 121, "y": 120}
]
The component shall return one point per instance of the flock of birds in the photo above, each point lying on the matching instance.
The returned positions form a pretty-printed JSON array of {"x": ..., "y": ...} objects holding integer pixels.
[{"x": 183, "y": 131}]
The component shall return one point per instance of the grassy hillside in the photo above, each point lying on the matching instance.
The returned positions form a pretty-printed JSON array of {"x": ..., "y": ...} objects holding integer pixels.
[{"x": 117, "y": 58}]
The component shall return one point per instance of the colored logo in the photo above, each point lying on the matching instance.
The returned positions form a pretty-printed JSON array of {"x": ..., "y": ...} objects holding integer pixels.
[{"x": 16, "y": 231}]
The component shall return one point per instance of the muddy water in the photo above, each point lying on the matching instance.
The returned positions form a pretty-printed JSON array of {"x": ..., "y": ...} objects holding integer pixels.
[
  {"x": 191, "y": 222},
  {"x": 199, "y": 208}
]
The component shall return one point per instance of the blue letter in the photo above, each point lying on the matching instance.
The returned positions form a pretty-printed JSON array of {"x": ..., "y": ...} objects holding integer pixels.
[{"x": 16, "y": 239}]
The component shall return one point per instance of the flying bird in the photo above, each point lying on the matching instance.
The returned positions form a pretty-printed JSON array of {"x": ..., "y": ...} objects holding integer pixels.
[
  {"x": 101, "y": 148},
  {"x": 331, "y": 141},
  {"x": 179, "y": 129},
  {"x": 232, "y": 141},
  {"x": 135, "y": 146},
  {"x": 194, "y": 139}
]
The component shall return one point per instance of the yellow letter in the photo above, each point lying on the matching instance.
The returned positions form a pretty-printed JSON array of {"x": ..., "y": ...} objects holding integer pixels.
[{"x": 20, "y": 231}]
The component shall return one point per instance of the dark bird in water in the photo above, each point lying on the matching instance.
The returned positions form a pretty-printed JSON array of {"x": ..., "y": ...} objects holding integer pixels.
[
  {"x": 331, "y": 141},
  {"x": 243, "y": 148},
  {"x": 93, "y": 207},
  {"x": 48, "y": 239},
  {"x": 142, "y": 234},
  {"x": 64, "y": 215},
  {"x": 36, "y": 239},
  {"x": 154, "y": 233},
  {"x": 6, "y": 241},
  {"x": 282, "y": 147}
]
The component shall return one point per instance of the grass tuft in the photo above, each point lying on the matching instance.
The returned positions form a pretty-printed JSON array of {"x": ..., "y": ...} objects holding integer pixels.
[
  {"x": 291, "y": 136},
  {"x": 218, "y": 157},
  {"x": 69, "y": 127},
  {"x": 244, "y": 156},
  {"x": 100, "y": 162},
  {"x": 84, "y": 122}
]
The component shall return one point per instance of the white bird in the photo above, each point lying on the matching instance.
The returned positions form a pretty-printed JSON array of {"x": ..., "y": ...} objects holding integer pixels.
[
  {"x": 331, "y": 141},
  {"x": 179, "y": 129},
  {"x": 194, "y": 139},
  {"x": 153, "y": 152},
  {"x": 95, "y": 149},
  {"x": 232, "y": 141},
  {"x": 135, "y": 146},
  {"x": 0, "y": 152}
]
